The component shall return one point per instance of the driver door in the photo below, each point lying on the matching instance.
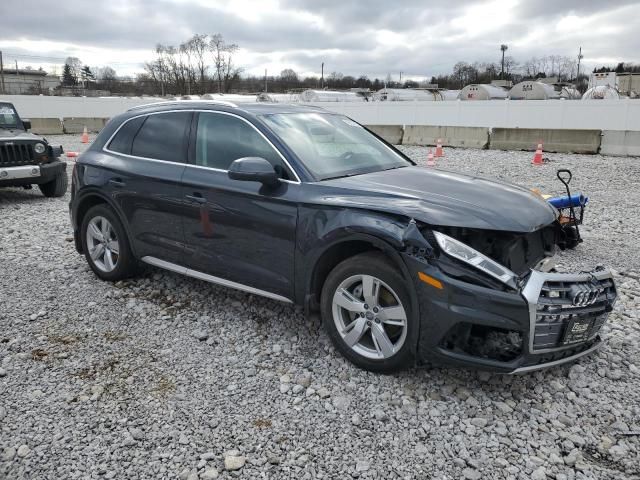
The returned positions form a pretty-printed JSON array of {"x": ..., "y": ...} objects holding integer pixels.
[{"x": 238, "y": 231}]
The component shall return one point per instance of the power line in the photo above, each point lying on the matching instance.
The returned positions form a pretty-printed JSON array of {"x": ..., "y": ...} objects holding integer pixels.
[{"x": 42, "y": 57}]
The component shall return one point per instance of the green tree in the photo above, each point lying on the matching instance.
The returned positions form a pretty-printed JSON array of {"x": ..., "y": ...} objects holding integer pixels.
[{"x": 68, "y": 78}]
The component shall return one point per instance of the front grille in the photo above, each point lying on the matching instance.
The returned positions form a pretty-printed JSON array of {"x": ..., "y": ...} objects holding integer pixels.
[
  {"x": 563, "y": 303},
  {"x": 15, "y": 155}
]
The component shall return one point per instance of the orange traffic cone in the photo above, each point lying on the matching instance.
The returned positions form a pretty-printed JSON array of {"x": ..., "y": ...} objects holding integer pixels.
[
  {"x": 439, "y": 152},
  {"x": 72, "y": 154},
  {"x": 431, "y": 162},
  {"x": 85, "y": 135},
  {"x": 537, "y": 157}
]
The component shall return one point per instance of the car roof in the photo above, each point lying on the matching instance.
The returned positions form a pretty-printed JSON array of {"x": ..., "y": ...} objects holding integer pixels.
[{"x": 257, "y": 108}]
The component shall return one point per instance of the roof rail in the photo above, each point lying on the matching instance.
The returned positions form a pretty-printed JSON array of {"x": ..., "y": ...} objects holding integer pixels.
[{"x": 179, "y": 102}]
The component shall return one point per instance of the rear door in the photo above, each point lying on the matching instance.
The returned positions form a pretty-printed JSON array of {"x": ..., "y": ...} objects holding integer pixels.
[
  {"x": 152, "y": 151},
  {"x": 238, "y": 231}
]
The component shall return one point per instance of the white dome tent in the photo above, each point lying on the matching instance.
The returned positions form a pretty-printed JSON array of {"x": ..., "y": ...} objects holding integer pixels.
[
  {"x": 569, "y": 93},
  {"x": 277, "y": 97},
  {"x": 602, "y": 92},
  {"x": 405, "y": 95},
  {"x": 532, "y": 90},
  {"x": 329, "y": 96},
  {"x": 229, "y": 97},
  {"x": 449, "y": 95},
  {"x": 482, "y": 91}
]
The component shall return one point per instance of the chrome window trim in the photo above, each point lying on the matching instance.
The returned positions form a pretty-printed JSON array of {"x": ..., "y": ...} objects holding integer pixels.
[
  {"x": 108, "y": 142},
  {"x": 531, "y": 293},
  {"x": 211, "y": 279}
]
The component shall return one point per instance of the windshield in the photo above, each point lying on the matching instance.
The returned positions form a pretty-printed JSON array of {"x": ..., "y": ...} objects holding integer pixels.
[
  {"x": 9, "y": 117},
  {"x": 332, "y": 146}
]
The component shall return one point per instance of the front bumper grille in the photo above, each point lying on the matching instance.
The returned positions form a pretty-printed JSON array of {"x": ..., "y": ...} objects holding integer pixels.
[
  {"x": 16, "y": 155},
  {"x": 567, "y": 309}
]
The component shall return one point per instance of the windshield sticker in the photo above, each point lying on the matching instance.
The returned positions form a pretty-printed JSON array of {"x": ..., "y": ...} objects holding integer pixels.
[{"x": 351, "y": 123}]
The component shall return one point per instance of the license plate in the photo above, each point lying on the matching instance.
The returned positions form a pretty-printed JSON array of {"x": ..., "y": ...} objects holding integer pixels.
[{"x": 578, "y": 330}]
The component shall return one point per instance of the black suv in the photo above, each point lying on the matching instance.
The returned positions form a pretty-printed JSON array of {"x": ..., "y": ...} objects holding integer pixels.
[
  {"x": 27, "y": 159},
  {"x": 406, "y": 264}
]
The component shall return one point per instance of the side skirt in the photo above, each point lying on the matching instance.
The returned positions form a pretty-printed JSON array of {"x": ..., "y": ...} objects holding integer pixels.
[{"x": 156, "y": 262}]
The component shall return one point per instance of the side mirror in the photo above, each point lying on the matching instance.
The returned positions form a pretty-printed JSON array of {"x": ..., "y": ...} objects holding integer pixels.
[
  {"x": 253, "y": 169},
  {"x": 26, "y": 124}
]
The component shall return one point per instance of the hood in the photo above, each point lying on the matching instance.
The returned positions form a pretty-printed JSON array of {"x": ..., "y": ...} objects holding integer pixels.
[
  {"x": 18, "y": 135},
  {"x": 439, "y": 197}
]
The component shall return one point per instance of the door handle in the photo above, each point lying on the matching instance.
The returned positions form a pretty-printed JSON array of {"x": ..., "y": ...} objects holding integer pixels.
[
  {"x": 117, "y": 182},
  {"x": 197, "y": 197}
]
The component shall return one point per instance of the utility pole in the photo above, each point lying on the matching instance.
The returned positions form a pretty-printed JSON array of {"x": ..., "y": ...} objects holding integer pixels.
[
  {"x": 265, "y": 80},
  {"x": 1, "y": 73},
  {"x": 580, "y": 57},
  {"x": 322, "y": 77},
  {"x": 504, "y": 48},
  {"x": 401, "y": 79}
]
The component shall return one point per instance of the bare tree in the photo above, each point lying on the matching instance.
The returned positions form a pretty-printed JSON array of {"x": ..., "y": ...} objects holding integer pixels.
[
  {"x": 222, "y": 53},
  {"x": 198, "y": 46}
]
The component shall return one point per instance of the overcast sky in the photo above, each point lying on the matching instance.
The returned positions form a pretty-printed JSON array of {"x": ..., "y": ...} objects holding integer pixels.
[{"x": 418, "y": 37}]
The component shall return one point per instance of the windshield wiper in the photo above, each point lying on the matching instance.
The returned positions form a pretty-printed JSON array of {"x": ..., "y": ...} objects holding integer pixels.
[
  {"x": 340, "y": 176},
  {"x": 394, "y": 168}
]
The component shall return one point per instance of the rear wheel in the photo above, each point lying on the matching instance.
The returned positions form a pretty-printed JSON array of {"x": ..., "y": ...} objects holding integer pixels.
[
  {"x": 105, "y": 244},
  {"x": 56, "y": 187},
  {"x": 366, "y": 310}
]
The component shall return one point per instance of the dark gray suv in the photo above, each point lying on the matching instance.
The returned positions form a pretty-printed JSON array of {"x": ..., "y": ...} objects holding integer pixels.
[{"x": 406, "y": 264}]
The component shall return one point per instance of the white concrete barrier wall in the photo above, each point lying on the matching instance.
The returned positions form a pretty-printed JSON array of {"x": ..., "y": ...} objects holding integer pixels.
[
  {"x": 551, "y": 114},
  {"x": 620, "y": 143},
  {"x": 35, "y": 106},
  {"x": 466, "y": 137},
  {"x": 554, "y": 140},
  {"x": 621, "y": 115}
]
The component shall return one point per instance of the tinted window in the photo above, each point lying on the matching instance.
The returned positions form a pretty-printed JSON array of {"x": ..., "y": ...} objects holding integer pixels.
[
  {"x": 121, "y": 143},
  {"x": 222, "y": 139},
  {"x": 162, "y": 137}
]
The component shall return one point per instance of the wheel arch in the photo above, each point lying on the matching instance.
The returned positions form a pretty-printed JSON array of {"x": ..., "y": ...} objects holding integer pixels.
[
  {"x": 90, "y": 199},
  {"x": 347, "y": 247}
]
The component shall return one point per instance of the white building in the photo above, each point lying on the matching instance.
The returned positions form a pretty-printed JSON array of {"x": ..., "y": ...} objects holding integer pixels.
[{"x": 28, "y": 81}]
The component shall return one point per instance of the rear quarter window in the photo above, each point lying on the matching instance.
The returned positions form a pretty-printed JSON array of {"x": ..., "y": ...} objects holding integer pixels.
[{"x": 121, "y": 143}]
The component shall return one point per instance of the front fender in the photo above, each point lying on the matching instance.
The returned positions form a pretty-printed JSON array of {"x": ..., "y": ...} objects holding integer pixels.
[{"x": 321, "y": 230}]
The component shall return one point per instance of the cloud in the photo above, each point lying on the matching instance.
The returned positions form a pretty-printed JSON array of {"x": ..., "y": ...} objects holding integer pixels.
[{"x": 372, "y": 38}]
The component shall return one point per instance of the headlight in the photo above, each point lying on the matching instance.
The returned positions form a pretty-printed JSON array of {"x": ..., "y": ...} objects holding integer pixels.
[
  {"x": 468, "y": 255},
  {"x": 39, "y": 148}
]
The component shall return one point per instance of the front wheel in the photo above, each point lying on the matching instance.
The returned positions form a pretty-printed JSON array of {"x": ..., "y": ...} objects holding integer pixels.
[
  {"x": 56, "y": 187},
  {"x": 366, "y": 310}
]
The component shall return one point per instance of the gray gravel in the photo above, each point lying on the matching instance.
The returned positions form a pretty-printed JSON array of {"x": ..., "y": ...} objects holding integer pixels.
[{"x": 168, "y": 377}]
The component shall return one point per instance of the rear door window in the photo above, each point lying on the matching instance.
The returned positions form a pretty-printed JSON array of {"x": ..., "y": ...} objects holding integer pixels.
[{"x": 163, "y": 136}]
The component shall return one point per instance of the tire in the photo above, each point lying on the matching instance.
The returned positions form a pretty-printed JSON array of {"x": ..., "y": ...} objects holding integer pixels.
[
  {"x": 115, "y": 261},
  {"x": 353, "y": 338},
  {"x": 56, "y": 187}
]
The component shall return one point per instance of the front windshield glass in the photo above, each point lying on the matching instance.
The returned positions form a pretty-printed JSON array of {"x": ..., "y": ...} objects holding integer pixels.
[
  {"x": 9, "y": 117},
  {"x": 332, "y": 146}
]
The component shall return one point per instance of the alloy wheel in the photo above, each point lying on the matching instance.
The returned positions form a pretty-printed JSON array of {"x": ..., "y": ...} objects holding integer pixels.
[
  {"x": 369, "y": 317},
  {"x": 102, "y": 244}
]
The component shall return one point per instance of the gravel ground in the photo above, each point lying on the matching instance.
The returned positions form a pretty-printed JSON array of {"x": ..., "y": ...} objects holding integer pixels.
[{"x": 168, "y": 377}]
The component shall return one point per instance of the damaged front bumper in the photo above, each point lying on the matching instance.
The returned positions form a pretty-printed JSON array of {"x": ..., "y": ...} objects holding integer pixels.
[{"x": 550, "y": 319}]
